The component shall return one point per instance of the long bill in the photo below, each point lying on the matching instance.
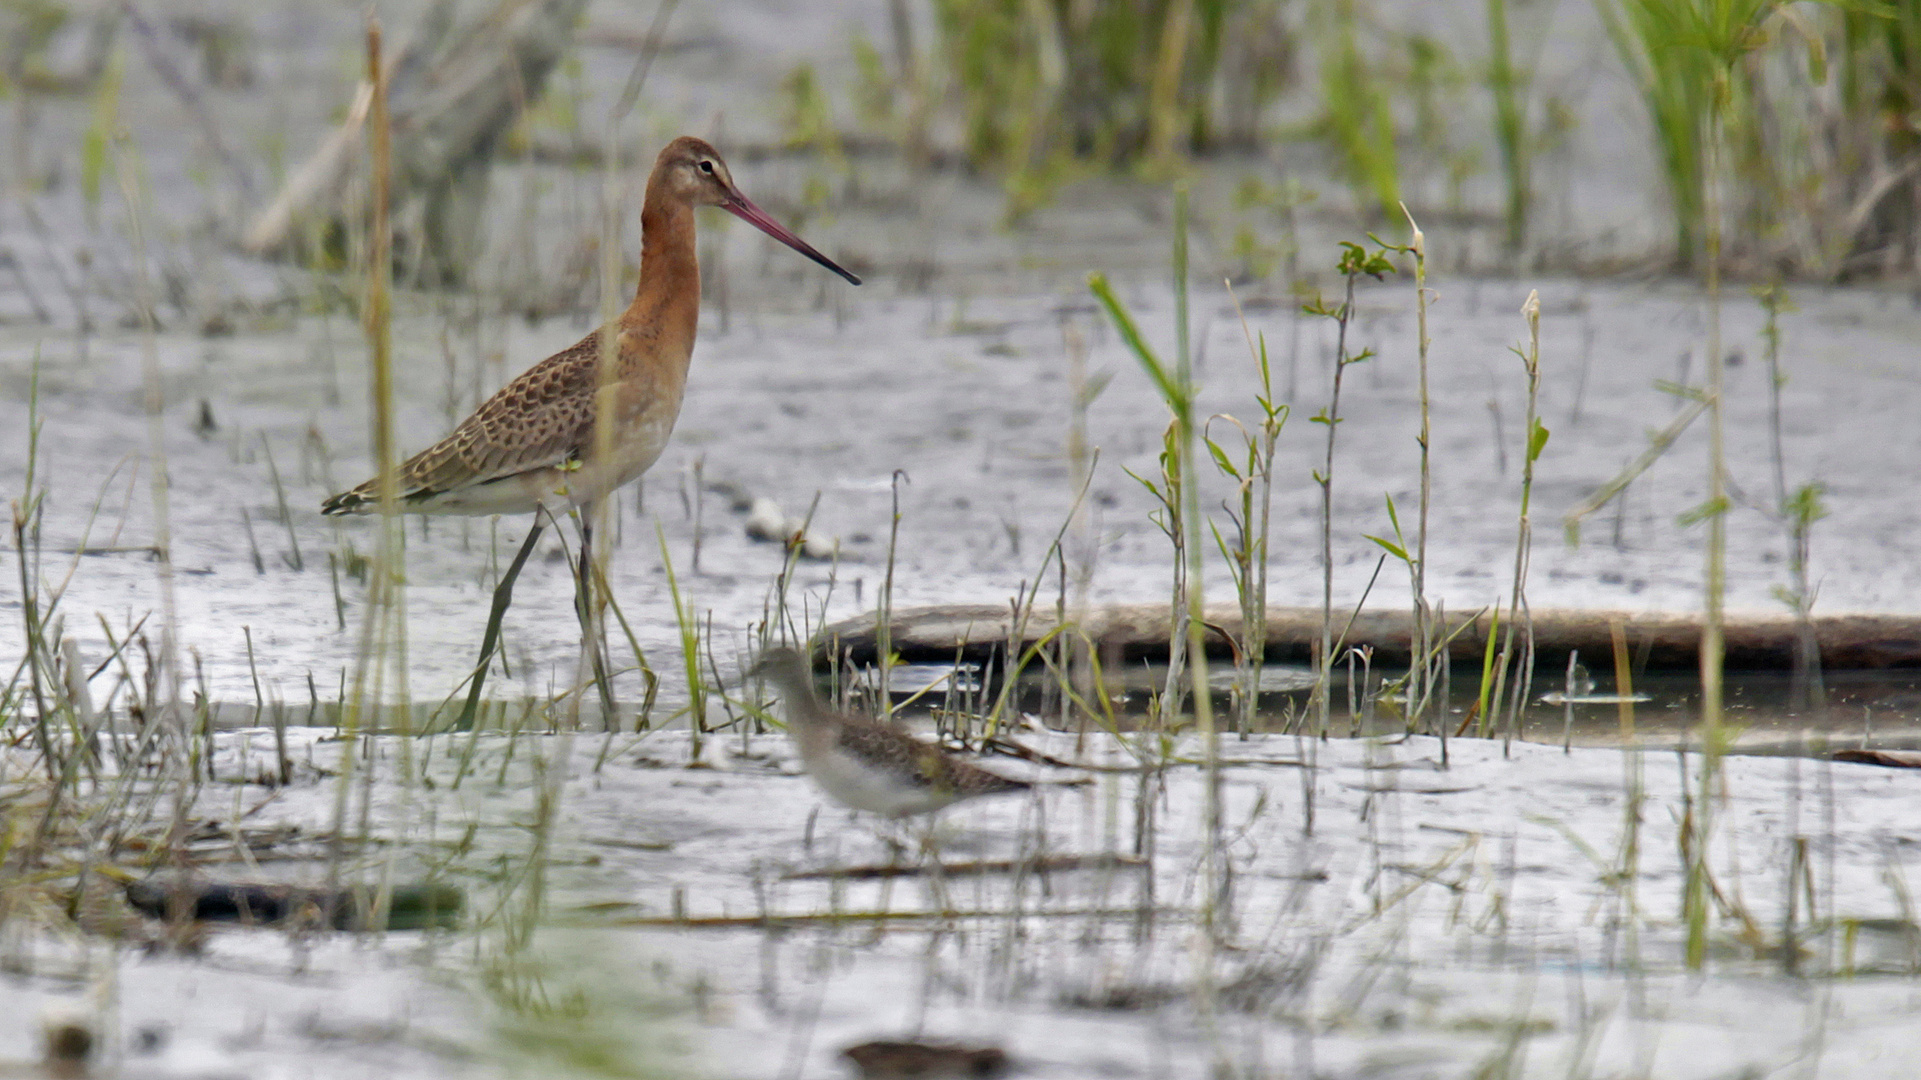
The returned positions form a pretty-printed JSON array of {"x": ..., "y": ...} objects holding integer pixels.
[{"x": 743, "y": 208}]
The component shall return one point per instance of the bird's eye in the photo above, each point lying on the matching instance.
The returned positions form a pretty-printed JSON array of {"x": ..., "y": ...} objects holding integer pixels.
[{"x": 707, "y": 167}]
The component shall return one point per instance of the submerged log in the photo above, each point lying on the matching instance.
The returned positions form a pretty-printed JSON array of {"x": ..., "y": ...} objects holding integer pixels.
[
  {"x": 409, "y": 907},
  {"x": 1761, "y": 641},
  {"x": 455, "y": 92}
]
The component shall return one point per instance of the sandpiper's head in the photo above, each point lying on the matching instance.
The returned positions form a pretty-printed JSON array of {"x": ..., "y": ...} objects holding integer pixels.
[
  {"x": 781, "y": 665},
  {"x": 791, "y": 672},
  {"x": 691, "y": 171}
]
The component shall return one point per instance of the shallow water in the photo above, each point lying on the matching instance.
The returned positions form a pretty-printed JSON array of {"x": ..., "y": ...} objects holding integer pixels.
[
  {"x": 1766, "y": 712},
  {"x": 706, "y": 908},
  {"x": 789, "y": 407}
]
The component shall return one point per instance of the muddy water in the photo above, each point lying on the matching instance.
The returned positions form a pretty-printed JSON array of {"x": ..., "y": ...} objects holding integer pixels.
[
  {"x": 705, "y": 908},
  {"x": 798, "y": 405},
  {"x": 1766, "y": 712}
]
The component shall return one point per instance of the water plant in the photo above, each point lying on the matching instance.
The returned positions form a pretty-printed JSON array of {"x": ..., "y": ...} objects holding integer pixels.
[
  {"x": 1355, "y": 263},
  {"x": 1045, "y": 85},
  {"x": 1690, "y": 59},
  {"x": 1250, "y": 513},
  {"x": 1358, "y": 113},
  {"x": 1175, "y": 384},
  {"x": 1796, "y": 511},
  {"x": 1519, "y": 618},
  {"x": 1426, "y": 657},
  {"x": 1507, "y": 85}
]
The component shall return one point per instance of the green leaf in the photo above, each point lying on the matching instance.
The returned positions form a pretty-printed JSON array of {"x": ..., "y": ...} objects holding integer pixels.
[
  {"x": 1146, "y": 483},
  {"x": 1669, "y": 386},
  {"x": 1805, "y": 507},
  {"x": 1221, "y": 460},
  {"x": 1536, "y": 440},
  {"x": 1394, "y": 519},
  {"x": 101, "y": 130},
  {"x": 1163, "y": 381},
  {"x": 1708, "y": 509},
  {"x": 1391, "y": 548}
]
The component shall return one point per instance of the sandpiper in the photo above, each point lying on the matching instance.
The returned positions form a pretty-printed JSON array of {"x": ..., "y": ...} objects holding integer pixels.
[
  {"x": 534, "y": 446},
  {"x": 865, "y": 763}
]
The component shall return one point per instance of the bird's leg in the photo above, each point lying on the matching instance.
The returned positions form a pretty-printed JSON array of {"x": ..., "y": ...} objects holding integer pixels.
[
  {"x": 588, "y": 608},
  {"x": 936, "y": 870},
  {"x": 503, "y": 596}
]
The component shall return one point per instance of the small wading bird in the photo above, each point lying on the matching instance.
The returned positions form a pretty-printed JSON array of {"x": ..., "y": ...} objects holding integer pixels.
[
  {"x": 867, "y": 764},
  {"x": 534, "y": 447}
]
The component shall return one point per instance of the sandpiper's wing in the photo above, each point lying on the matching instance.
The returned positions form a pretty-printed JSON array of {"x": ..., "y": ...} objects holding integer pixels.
[
  {"x": 922, "y": 764},
  {"x": 542, "y": 419}
]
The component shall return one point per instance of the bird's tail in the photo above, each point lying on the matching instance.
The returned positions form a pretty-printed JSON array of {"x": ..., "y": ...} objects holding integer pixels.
[{"x": 364, "y": 499}]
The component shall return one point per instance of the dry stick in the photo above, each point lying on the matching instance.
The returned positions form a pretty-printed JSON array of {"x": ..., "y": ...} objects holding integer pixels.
[
  {"x": 1325, "y": 480},
  {"x": 1658, "y": 444},
  {"x": 1042, "y": 865},
  {"x": 1422, "y": 688},
  {"x": 1519, "y": 619},
  {"x": 1695, "y": 898},
  {"x": 884, "y": 610},
  {"x": 294, "y": 559},
  {"x": 25, "y": 284},
  {"x": 1214, "y": 916},
  {"x": 1628, "y": 869},
  {"x": 1014, "y": 659},
  {"x": 23, "y": 521},
  {"x": 163, "y": 698},
  {"x": 593, "y": 559},
  {"x": 384, "y": 576},
  {"x": 1796, "y": 516},
  {"x": 605, "y": 374},
  {"x": 832, "y": 918},
  {"x": 196, "y": 108}
]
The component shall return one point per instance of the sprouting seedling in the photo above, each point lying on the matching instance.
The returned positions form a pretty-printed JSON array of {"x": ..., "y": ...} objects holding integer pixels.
[
  {"x": 1247, "y": 555},
  {"x": 1177, "y": 515},
  {"x": 1421, "y": 675},
  {"x": 1355, "y": 262},
  {"x": 688, "y": 624},
  {"x": 1537, "y": 436},
  {"x": 1396, "y": 547}
]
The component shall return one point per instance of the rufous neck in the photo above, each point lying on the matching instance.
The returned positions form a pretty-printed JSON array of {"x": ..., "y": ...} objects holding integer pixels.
[{"x": 669, "y": 264}]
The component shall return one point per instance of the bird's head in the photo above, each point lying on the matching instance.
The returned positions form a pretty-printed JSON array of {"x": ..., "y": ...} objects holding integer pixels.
[{"x": 691, "y": 171}]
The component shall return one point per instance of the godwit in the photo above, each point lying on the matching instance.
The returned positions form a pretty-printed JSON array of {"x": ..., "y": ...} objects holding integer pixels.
[
  {"x": 533, "y": 447},
  {"x": 867, "y": 764}
]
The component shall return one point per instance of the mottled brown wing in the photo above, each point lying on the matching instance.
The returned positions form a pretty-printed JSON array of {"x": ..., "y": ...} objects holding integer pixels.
[
  {"x": 928, "y": 765},
  {"x": 537, "y": 421},
  {"x": 893, "y": 749}
]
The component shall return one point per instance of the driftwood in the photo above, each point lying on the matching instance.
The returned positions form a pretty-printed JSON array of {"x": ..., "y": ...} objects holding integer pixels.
[
  {"x": 455, "y": 92},
  {"x": 409, "y": 907},
  {"x": 1754, "y": 642}
]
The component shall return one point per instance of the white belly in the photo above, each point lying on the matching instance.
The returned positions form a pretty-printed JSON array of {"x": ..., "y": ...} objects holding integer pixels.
[{"x": 860, "y": 785}]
